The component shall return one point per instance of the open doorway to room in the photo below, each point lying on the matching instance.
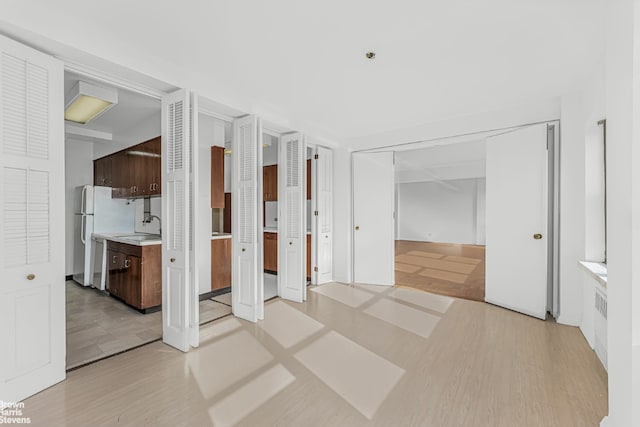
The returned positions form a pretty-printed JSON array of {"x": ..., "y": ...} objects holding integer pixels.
[
  {"x": 440, "y": 219},
  {"x": 214, "y": 238},
  {"x": 113, "y": 243}
]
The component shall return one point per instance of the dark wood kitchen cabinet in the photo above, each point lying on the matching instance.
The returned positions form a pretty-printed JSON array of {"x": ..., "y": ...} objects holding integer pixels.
[
  {"x": 270, "y": 183},
  {"x": 220, "y": 263},
  {"x": 134, "y": 274},
  {"x": 217, "y": 177},
  {"x": 271, "y": 252},
  {"x": 133, "y": 172},
  {"x": 102, "y": 172},
  {"x": 226, "y": 217}
]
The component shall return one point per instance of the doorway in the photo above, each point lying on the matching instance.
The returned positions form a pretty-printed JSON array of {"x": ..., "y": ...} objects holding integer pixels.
[
  {"x": 520, "y": 218},
  {"x": 440, "y": 219}
]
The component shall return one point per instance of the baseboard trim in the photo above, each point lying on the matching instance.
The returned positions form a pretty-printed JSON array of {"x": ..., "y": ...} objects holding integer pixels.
[{"x": 69, "y": 277}]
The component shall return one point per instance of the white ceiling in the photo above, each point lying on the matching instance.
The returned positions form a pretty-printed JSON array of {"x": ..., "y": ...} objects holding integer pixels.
[
  {"x": 131, "y": 109},
  {"x": 304, "y": 61}
]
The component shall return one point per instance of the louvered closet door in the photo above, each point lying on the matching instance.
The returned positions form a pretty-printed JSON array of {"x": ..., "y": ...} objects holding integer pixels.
[
  {"x": 323, "y": 194},
  {"x": 292, "y": 239},
  {"x": 247, "y": 274},
  {"x": 32, "y": 219},
  {"x": 176, "y": 215}
]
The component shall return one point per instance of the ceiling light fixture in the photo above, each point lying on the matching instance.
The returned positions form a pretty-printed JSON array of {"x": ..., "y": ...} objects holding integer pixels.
[
  {"x": 85, "y": 102},
  {"x": 370, "y": 55}
]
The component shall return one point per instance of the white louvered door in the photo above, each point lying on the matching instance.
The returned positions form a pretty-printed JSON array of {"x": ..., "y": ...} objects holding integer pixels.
[
  {"x": 32, "y": 294},
  {"x": 176, "y": 288},
  {"x": 323, "y": 197},
  {"x": 292, "y": 238},
  {"x": 247, "y": 271}
]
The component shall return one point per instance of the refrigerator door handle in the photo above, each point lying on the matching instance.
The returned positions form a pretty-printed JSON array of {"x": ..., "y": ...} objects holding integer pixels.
[
  {"x": 82, "y": 229},
  {"x": 83, "y": 202}
]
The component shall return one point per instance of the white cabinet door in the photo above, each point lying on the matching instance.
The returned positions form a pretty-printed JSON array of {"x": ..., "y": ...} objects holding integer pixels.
[
  {"x": 176, "y": 213},
  {"x": 516, "y": 220},
  {"x": 292, "y": 236},
  {"x": 373, "y": 210},
  {"x": 322, "y": 171},
  {"x": 247, "y": 277},
  {"x": 32, "y": 288}
]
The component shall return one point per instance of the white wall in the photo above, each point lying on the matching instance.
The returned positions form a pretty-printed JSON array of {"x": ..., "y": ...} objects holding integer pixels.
[
  {"x": 155, "y": 208},
  {"x": 78, "y": 171},
  {"x": 444, "y": 211},
  {"x": 623, "y": 193},
  {"x": 342, "y": 221},
  {"x": 572, "y": 123}
]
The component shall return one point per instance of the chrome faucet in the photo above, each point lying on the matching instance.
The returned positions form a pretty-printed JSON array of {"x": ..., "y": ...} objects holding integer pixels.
[{"x": 150, "y": 218}]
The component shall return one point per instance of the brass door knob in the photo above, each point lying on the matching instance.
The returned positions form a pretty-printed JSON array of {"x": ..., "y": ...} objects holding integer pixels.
[
  {"x": 172, "y": 260},
  {"x": 537, "y": 236},
  {"x": 31, "y": 276},
  {"x": 357, "y": 227},
  {"x": 243, "y": 249}
]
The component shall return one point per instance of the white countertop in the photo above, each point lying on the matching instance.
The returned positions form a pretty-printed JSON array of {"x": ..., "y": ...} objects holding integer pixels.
[
  {"x": 275, "y": 230},
  {"x": 128, "y": 238},
  {"x": 216, "y": 236}
]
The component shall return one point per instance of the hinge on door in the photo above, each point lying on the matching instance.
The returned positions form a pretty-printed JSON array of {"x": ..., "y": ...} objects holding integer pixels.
[
  {"x": 315, "y": 269},
  {"x": 315, "y": 156},
  {"x": 315, "y": 213}
]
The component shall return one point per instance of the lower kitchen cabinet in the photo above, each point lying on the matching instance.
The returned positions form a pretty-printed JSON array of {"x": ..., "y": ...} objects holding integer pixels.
[
  {"x": 271, "y": 252},
  {"x": 135, "y": 274},
  {"x": 220, "y": 264}
]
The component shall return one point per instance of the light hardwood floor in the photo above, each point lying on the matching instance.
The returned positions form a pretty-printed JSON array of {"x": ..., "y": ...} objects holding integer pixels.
[
  {"x": 99, "y": 326},
  {"x": 349, "y": 356},
  {"x": 444, "y": 268}
]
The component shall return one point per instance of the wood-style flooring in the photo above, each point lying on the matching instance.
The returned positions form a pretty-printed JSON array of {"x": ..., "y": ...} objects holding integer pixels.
[
  {"x": 99, "y": 326},
  {"x": 443, "y": 268},
  {"x": 349, "y": 356}
]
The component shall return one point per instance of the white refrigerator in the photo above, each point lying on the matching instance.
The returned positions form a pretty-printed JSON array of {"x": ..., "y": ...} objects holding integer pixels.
[{"x": 96, "y": 212}]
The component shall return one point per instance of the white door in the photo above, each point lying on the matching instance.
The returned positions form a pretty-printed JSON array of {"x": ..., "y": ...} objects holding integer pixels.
[
  {"x": 373, "y": 212},
  {"x": 292, "y": 236},
  {"x": 32, "y": 284},
  {"x": 247, "y": 277},
  {"x": 516, "y": 220},
  {"x": 322, "y": 171},
  {"x": 176, "y": 207}
]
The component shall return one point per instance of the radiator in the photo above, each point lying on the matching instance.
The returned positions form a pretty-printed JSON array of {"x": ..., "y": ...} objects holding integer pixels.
[{"x": 600, "y": 326}]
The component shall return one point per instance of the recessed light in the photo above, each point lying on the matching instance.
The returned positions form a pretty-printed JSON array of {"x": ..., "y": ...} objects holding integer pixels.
[{"x": 370, "y": 55}]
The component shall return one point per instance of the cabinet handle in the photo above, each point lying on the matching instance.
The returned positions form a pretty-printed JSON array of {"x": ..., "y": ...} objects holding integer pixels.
[
  {"x": 127, "y": 263},
  {"x": 114, "y": 260}
]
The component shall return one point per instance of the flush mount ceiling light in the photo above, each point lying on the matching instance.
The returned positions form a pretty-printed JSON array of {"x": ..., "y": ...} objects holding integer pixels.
[
  {"x": 84, "y": 102},
  {"x": 370, "y": 55}
]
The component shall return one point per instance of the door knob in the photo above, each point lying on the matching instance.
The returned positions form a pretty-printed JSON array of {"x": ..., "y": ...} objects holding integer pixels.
[
  {"x": 31, "y": 276},
  {"x": 243, "y": 249},
  {"x": 172, "y": 260},
  {"x": 357, "y": 227},
  {"x": 291, "y": 243},
  {"x": 537, "y": 236}
]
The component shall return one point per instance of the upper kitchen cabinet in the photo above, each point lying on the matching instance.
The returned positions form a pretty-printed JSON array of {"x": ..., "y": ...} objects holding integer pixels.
[
  {"x": 270, "y": 183},
  {"x": 102, "y": 172},
  {"x": 217, "y": 177},
  {"x": 133, "y": 172}
]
